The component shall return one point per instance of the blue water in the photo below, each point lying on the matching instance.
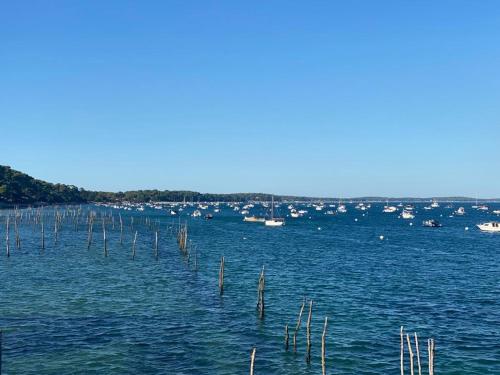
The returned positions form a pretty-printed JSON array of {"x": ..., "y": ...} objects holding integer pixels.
[{"x": 69, "y": 310}]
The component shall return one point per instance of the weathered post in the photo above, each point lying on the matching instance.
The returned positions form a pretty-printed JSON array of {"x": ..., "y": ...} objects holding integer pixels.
[
  {"x": 308, "y": 333},
  {"x": 297, "y": 327},
  {"x": 221, "y": 276},
  {"x": 323, "y": 348}
]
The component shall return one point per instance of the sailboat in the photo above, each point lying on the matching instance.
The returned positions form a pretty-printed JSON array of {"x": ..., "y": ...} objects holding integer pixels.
[{"x": 274, "y": 221}]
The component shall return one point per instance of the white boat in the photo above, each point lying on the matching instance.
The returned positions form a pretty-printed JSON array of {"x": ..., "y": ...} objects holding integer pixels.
[
  {"x": 254, "y": 219},
  {"x": 427, "y": 208},
  {"x": 172, "y": 212},
  {"x": 196, "y": 213},
  {"x": 483, "y": 207},
  {"x": 244, "y": 212},
  {"x": 460, "y": 211},
  {"x": 389, "y": 209},
  {"x": 434, "y": 204},
  {"x": 492, "y": 226},
  {"x": 329, "y": 212},
  {"x": 407, "y": 215},
  {"x": 496, "y": 212},
  {"x": 341, "y": 209},
  {"x": 295, "y": 214},
  {"x": 274, "y": 221}
]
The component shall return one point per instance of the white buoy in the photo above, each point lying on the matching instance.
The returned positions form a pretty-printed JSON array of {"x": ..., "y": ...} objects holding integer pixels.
[
  {"x": 466, "y": 228},
  {"x": 319, "y": 228},
  {"x": 411, "y": 224},
  {"x": 355, "y": 219},
  {"x": 381, "y": 237}
]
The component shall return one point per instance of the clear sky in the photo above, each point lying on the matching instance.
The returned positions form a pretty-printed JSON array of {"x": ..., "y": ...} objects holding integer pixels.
[{"x": 333, "y": 98}]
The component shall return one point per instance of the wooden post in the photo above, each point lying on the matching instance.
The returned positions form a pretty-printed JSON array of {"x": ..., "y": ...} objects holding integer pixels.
[
  {"x": 121, "y": 229},
  {"x": 260, "y": 299},
  {"x": 156, "y": 245},
  {"x": 297, "y": 327},
  {"x": 1, "y": 339},
  {"x": 252, "y": 360},
  {"x": 410, "y": 352},
  {"x": 104, "y": 238},
  {"x": 221, "y": 276},
  {"x": 308, "y": 333},
  {"x": 323, "y": 348},
  {"x": 7, "y": 240},
  {"x": 287, "y": 337},
  {"x": 43, "y": 236},
  {"x": 133, "y": 245},
  {"x": 418, "y": 354},
  {"x": 401, "y": 359},
  {"x": 430, "y": 348}
]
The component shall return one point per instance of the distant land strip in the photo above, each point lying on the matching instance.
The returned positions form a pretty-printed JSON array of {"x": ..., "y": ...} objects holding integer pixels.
[{"x": 18, "y": 188}]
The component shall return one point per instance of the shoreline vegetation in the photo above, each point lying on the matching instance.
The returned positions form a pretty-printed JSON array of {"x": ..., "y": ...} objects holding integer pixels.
[{"x": 20, "y": 189}]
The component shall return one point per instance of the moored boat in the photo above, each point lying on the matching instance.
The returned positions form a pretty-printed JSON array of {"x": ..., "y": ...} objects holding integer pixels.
[{"x": 491, "y": 226}]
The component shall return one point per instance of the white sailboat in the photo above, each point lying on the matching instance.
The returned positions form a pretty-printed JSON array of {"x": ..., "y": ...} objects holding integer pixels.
[
  {"x": 491, "y": 226},
  {"x": 274, "y": 221}
]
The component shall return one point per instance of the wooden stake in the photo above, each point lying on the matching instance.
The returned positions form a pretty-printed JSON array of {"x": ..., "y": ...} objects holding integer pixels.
[
  {"x": 308, "y": 334},
  {"x": 133, "y": 245},
  {"x": 260, "y": 299},
  {"x": 252, "y": 360},
  {"x": 323, "y": 348},
  {"x": 221, "y": 276},
  {"x": 418, "y": 354},
  {"x": 410, "y": 352},
  {"x": 121, "y": 229},
  {"x": 7, "y": 241},
  {"x": 156, "y": 245},
  {"x": 287, "y": 337},
  {"x": 297, "y": 327},
  {"x": 401, "y": 359},
  {"x": 104, "y": 238}
]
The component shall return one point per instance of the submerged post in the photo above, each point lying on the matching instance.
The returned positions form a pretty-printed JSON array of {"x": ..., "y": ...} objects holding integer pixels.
[
  {"x": 221, "y": 276},
  {"x": 156, "y": 245},
  {"x": 133, "y": 245},
  {"x": 297, "y": 327},
  {"x": 418, "y": 354},
  {"x": 287, "y": 337},
  {"x": 323, "y": 348},
  {"x": 252, "y": 360},
  {"x": 410, "y": 352},
  {"x": 260, "y": 299},
  {"x": 7, "y": 240},
  {"x": 401, "y": 358},
  {"x": 104, "y": 238},
  {"x": 308, "y": 333}
]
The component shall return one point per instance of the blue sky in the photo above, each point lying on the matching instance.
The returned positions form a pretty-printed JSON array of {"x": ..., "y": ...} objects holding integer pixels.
[{"x": 330, "y": 98}]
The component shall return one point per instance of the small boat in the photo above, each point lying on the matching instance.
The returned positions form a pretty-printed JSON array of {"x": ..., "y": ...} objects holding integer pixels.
[
  {"x": 496, "y": 212},
  {"x": 172, "y": 212},
  {"x": 434, "y": 204},
  {"x": 407, "y": 215},
  {"x": 329, "y": 212},
  {"x": 483, "y": 207},
  {"x": 431, "y": 223},
  {"x": 254, "y": 219},
  {"x": 389, "y": 209},
  {"x": 274, "y": 221},
  {"x": 341, "y": 209},
  {"x": 209, "y": 216},
  {"x": 460, "y": 211},
  {"x": 244, "y": 212},
  {"x": 196, "y": 213},
  {"x": 492, "y": 226},
  {"x": 295, "y": 214}
]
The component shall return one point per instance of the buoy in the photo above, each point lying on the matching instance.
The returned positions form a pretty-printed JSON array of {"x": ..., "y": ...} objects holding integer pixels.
[
  {"x": 411, "y": 224},
  {"x": 466, "y": 228},
  {"x": 381, "y": 237},
  {"x": 319, "y": 228},
  {"x": 355, "y": 219}
]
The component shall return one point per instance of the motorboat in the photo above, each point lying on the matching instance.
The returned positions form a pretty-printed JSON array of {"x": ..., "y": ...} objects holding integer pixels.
[
  {"x": 407, "y": 215},
  {"x": 431, "y": 223},
  {"x": 460, "y": 211},
  {"x": 492, "y": 226}
]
